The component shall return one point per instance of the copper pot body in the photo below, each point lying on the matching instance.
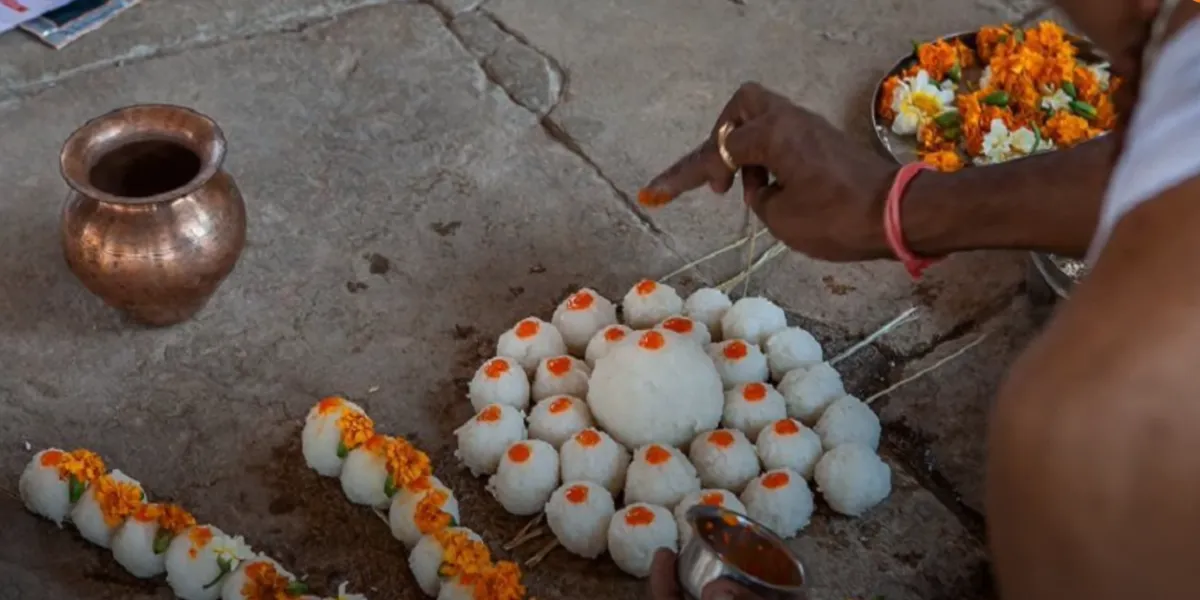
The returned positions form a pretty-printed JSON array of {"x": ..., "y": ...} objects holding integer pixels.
[{"x": 153, "y": 224}]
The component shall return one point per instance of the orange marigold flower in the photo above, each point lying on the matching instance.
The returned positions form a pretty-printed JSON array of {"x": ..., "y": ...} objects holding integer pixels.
[
  {"x": 946, "y": 161},
  {"x": 1066, "y": 129},
  {"x": 930, "y": 138},
  {"x": 406, "y": 464},
  {"x": 937, "y": 58},
  {"x": 989, "y": 39},
  {"x": 966, "y": 56},
  {"x": 501, "y": 581},
  {"x": 429, "y": 515},
  {"x": 1106, "y": 113},
  {"x": 1087, "y": 85},
  {"x": 971, "y": 112},
  {"x": 462, "y": 555},
  {"x": 1049, "y": 38},
  {"x": 886, "y": 96}
]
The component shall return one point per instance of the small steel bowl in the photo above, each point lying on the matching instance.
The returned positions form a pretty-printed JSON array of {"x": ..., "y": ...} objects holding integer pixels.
[{"x": 708, "y": 556}]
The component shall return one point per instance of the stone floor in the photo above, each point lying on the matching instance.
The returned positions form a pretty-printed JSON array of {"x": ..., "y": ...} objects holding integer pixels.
[{"x": 418, "y": 177}]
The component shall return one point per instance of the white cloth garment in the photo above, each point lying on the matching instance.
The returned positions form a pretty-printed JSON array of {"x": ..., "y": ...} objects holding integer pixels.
[{"x": 1162, "y": 147}]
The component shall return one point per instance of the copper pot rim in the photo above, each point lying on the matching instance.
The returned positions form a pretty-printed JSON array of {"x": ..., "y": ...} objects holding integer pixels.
[{"x": 212, "y": 154}]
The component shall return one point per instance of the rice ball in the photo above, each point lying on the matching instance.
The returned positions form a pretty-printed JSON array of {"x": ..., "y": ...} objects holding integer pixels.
[
  {"x": 499, "y": 381},
  {"x": 718, "y": 498},
  {"x": 781, "y": 500},
  {"x": 592, "y": 455},
  {"x": 422, "y": 508},
  {"x": 661, "y": 388},
  {"x": 529, "y": 341},
  {"x": 555, "y": 420},
  {"x": 738, "y": 362},
  {"x": 47, "y": 481},
  {"x": 708, "y": 306},
  {"x": 724, "y": 459},
  {"x": 853, "y": 479},
  {"x": 788, "y": 444},
  {"x": 140, "y": 544},
  {"x": 603, "y": 341},
  {"x": 649, "y": 302},
  {"x": 560, "y": 375},
  {"x": 791, "y": 348},
  {"x": 194, "y": 561},
  {"x": 849, "y": 420},
  {"x": 364, "y": 476},
  {"x": 483, "y": 439},
  {"x": 636, "y": 532},
  {"x": 108, "y": 501},
  {"x": 752, "y": 406},
  {"x": 692, "y": 330},
  {"x": 426, "y": 557},
  {"x": 528, "y": 474},
  {"x": 807, "y": 391},
  {"x": 261, "y": 572},
  {"x": 660, "y": 475},
  {"x": 579, "y": 514},
  {"x": 753, "y": 319},
  {"x": 333, "y": 427},
  {"x": 580, "y": 316}
]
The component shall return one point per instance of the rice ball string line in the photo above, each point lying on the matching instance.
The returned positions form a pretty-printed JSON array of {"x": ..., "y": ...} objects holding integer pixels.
[
  {"x": 388, "y": 473},
  {"x": 151, "y": 539}
]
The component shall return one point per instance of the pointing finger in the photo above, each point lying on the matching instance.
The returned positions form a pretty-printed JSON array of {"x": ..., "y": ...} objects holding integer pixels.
[{"x": 746, "y": 146}]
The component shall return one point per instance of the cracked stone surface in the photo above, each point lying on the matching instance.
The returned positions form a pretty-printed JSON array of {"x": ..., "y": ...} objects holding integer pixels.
[{"x": 418, "y": 176}]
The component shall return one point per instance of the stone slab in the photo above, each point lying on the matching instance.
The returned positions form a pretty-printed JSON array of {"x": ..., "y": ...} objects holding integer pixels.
[
  {"x": 402, "y": 214},
  {"x": 943, "y": 416}
]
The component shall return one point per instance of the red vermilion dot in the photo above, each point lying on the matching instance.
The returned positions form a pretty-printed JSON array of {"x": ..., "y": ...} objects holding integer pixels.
[
  {"x": 776, "y": 480},
  {"x": 645, "y": 287},
  {"x": 735, "y": 350},
  {"x": 527, "y": 329},
  {"x": 559, "y": 366},
  {"x": 786, "y": 427},
  {"x": 577, "y": 494},
  {"x": 614, "y": 334},
  {"x": 721, "y": 438},
  {"x": 519, "y": 452},
  {"x": 639, "y": 516},
  {"x": 680, "y": 325},
  {"x": 754, "y": 392},
  {"x": 712, "y": 499},
  {"x": 657, "y": 455},
  {"x": 560, "y": 405},
  {"x": 495, "y": 368},
  {"x": 652, "y": 340},
  {"x": 491, "y": 414},
  {"x": 581, "y": 300},
  {"x": 588, "y": 438}
]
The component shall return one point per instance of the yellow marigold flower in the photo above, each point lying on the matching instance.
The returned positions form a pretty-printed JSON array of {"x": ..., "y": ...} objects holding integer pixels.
[
  {"x": 886, "y": 95},
  {"x": 429, "y": 515},
  {"x": 1066, "y": 129},
  {"x": 990, "y": 38},
  {"x": 945, "y": 161},
  {"x": 462, "y": 555},
  {"x": 937, "y": 58},
  {"x": 501, "y": 581},
  {"x": 405, "y": 463}
]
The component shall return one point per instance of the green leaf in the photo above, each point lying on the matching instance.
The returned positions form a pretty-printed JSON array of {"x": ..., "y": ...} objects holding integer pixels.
[
  {"x": 953, "y": 133},
  {"x": 296, "y": 588},
  {"x": 1083, "y": 109},
  {"x": 453, "y": 521},
  {"x": 996, "y": 98},
  {"x": 916, "y": 47},
  {"x": 948, "y": 119},
  {"x": 162, "y": 539},
  {"x": 225, "y": 567},
  {"x": 1037, "y": 138},
  {"x": 955, "y": 73},
  {"x": 389, "y": 486},
  {"x": 75, "y": 489},
  {"x": 342, "y": 450},
  {"x": 1070, "y": 90},
  {"x": 1003, "y": 38},
  {"x": 1019, "y": 36}
]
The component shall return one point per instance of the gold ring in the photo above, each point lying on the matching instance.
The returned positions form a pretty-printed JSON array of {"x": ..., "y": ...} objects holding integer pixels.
[{"x": 723, "y": 134}]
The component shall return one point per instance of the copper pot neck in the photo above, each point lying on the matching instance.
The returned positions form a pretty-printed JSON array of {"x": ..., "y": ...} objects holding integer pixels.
[{"x": 143, "y": 154}]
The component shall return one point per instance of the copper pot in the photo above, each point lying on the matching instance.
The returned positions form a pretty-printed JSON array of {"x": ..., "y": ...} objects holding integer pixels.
[{"x": 153, "y": 224}]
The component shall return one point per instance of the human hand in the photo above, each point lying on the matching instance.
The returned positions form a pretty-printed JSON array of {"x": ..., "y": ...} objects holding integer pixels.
[
  {"x": 828, "y": 193},
  {"x": 664, "y": 582}
]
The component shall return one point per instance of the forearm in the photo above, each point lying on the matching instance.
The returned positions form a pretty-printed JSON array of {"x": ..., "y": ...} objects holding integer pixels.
[
  {"x": 1094, "y": 452},
  {"x": 1047, "y": 203}
]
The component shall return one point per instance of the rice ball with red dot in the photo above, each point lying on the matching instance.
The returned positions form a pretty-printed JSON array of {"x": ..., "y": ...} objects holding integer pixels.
[
  {"x": 791, "y": 348},
  {"x": 753, "y": 319},
  {"x": 660, "y": 474},
  {"x": 752, "y": 406},
  {"x": 724, "y": 459},
  {"x": 332, "y": 428},
  {"x": 483, "y": 440},
  {"x": 807, "y": 391},
  {"x": 660, "y": 388},
  {"x": 421, "y": 508},
  {"x": 592, "y": 455},
  {"x": 580, "y": 316},
  {"x": 853, "y": 479},
  {"x": 427, "y": 557},
  {"x": 556, "y": 419},
  {"x": 527, "y": 475},
  {"x": 781, "y": 500},
  {"x": 710, "y": 497},
  {"x": 603, "y": 341},
  {"x": 649, "y": 302},
  {"x": 738, "y": 361},
  {"x": 500, "y": 380},
  {"x": 788, "y": 444},
  {"x": 560, "y": 375},
  {"x": 687, "y": 328},
  {"x": 708, "y": 306},
  {"x": 849, "y": 421},
  {"x": 529, "y": 341},
  {"x": 635, "y": 534},
  {"x": 579, "y": 514}
]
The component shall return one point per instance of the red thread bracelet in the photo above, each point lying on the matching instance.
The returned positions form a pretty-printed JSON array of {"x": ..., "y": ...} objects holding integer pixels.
[{"x": 892, "y": 227}]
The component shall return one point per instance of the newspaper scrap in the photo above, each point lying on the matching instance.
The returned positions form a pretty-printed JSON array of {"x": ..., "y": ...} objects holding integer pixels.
[
  {"x": 71, "y": 20},
  {"x": 16, "y": 12}
]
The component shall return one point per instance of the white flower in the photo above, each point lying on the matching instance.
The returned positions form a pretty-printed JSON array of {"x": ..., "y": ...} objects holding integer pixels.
[
  {"x": 342, "y": 595},
  {"x": 1102, "y": 74},
  {"x": 1056, "y": 101},
  {"x": 1000, "y": 144},
  {"x": 231, "y": 551},
  {"x": 918, "y": 100},
  {"x": 985, "y": 78}
]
